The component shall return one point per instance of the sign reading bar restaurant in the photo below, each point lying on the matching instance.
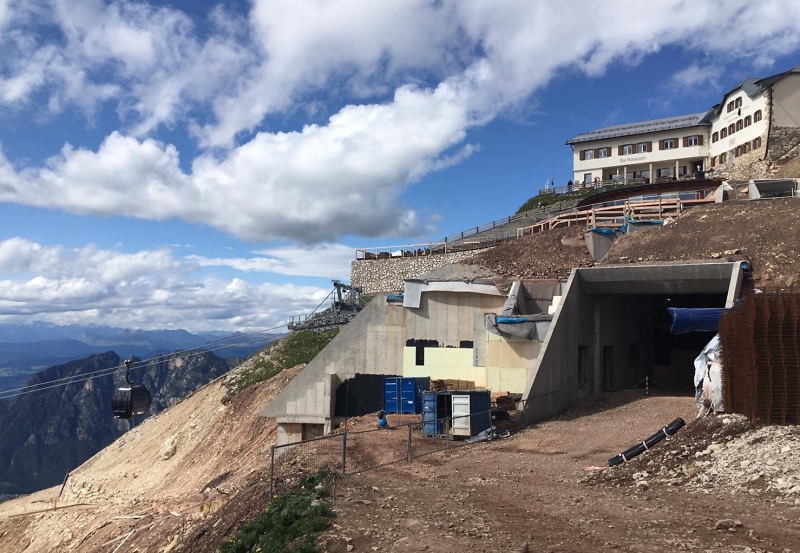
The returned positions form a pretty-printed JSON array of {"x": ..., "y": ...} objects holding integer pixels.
[{"x": 632, "y": 159}]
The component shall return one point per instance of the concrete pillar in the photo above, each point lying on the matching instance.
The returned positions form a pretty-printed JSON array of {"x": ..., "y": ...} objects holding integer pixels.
[
  {"x": 676, "y": 169},
  {"x": 650, "y": 173},
  {"x": 625, "y": 174}
]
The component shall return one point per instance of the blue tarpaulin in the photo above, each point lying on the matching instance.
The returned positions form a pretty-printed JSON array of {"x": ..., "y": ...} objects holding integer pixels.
[
  {"x": 512, "y": 320},
  {"x": 703, "y": 319},
  {"x": 598, "y": 230}
]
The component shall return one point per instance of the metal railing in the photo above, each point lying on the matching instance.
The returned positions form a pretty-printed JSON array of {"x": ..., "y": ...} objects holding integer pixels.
[
  {"x": 456, "y": 242},
  {"x": 358, "y": 451},
  {"x": 616, "y": 213}
]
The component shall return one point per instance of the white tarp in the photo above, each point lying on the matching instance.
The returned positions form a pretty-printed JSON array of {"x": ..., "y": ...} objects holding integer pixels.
[
  {"x": 708, "y": 372},
  {"x": 414, "y": 289}
]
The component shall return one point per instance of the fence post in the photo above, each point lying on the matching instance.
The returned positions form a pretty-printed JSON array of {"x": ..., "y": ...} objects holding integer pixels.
[
  {"x": 447, "y": 433},
  {"x": 271, "y": 471},
  {"x": 344, "y": 453},
  {"x": 408, "y": 446}
]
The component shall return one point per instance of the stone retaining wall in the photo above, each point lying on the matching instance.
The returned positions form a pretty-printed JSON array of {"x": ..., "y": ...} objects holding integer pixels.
[{"x": 388, "y": 275}]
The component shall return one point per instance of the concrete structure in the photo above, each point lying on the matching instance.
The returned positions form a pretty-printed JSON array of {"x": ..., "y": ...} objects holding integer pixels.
[
  {"x": 611, "y": 330},
  {"x": 445, "y": 337}
]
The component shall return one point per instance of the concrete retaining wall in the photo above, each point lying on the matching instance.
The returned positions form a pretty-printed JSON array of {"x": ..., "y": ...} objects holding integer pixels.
[{"x": 389, "y": 275}]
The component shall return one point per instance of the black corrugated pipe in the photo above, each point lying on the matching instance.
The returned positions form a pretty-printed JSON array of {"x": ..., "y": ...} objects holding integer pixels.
[{"x": 641, "y": 447}]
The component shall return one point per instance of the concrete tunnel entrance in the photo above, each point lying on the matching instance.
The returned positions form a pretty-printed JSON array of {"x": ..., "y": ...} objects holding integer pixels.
[
  {"x": 613, "y": 330},
  {"x": 634, "y": 340}
]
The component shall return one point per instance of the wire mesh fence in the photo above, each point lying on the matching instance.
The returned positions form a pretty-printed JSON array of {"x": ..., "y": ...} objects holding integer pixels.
[
  {"x": 358, "y": 451},
  {"x": 760, "y": 343},
  {"x": 289, "y": 463}
]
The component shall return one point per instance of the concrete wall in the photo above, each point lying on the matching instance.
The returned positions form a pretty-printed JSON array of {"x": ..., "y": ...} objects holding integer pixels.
[
  {"x": 553, "y": 382},
  {"x": 786, "y": 102},
  {"x": 619, "y": 322},
  {"x": 372, "y": 343},
  {"x": 449, "y": 316},
  {"x": 389, "y": 275}
]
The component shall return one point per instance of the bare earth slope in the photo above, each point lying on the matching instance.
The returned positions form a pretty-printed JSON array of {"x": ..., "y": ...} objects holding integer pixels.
[
  {"x": 549, "y": 254},
  {"x": 766, "y": 232},
  {"x": 185, "y": 460}
]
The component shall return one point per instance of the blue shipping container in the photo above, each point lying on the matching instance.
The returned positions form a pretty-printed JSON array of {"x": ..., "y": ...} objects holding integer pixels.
[
  {"x": 430, "y": 426},
  {"x": 404, "y": 395}
]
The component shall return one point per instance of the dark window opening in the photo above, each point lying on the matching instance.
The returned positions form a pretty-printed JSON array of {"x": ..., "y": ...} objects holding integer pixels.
[{"x": 420, "y": 359}]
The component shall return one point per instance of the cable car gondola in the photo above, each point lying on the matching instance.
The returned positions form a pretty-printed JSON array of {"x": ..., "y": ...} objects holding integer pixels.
[{"x": 131, "y": 400}]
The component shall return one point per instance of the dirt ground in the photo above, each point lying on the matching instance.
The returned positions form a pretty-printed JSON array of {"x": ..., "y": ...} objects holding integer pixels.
[
  {"x": 765, "y": 232},
  {"x": 549, "y": 487},
  {"x": 546, "y": 486},
  {"x": 549, "y": 254}
]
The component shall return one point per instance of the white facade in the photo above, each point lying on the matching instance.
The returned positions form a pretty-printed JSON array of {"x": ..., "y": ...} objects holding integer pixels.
[
  {"x": 758, "y": 122},
  {"x": 666, "y": 154},
  {"x": 740, "y": 127}
]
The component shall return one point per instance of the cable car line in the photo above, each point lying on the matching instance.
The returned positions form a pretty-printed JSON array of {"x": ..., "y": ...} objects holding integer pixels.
[
  {"x": 144, "y": 363},
  {"x": 189, "y": 352}
]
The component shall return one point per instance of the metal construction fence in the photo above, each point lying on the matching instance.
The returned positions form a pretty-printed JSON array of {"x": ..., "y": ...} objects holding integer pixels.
[
  {"x": 760, "y": 343},
  {"x": 358, "y": 451}
]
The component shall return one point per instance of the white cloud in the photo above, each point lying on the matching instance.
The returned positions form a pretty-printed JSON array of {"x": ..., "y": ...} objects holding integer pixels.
[
  {"x": 147, "y": 289},
  {"x": 312, "y": 185},
  {"x": 346, "y": 176},
  {"x": 326, "y": 260}
]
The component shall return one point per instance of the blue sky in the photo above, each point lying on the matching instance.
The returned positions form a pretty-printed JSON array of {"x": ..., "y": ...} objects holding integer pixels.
[{"x": 213, "y": 165}]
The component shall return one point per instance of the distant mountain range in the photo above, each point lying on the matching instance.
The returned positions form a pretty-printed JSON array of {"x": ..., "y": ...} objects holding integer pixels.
[
  {"x": 45, "y": 434},
  {"x": 26, "y": 349}
]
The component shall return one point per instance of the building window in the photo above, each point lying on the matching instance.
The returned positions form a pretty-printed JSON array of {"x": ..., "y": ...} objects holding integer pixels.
[
  {"x": 739, "y": 125},
  {"x": 723, "y": 158},
  {"x": 693, "y": 140},
  {"x": 668, "y": 144},
  {"x": 723, "y": 133},
  {"x": 603, "y": 152},
  {"x": 736, "y": 152},
  {"x": 587, "y": 154},
  {"x": 627, "y": 149},
  {"x": 682, "y": 171},
  {"x": 745, "y": 147},
  {"x": 731, "y": 128},
  {"x": 643, "y": 147},
  {"x": 748, "y": 121},
  {"x": 664, "y": 173},
  {"x": 730, "y": 107},
  {"x": 756, "y": 143},
  {"x": 715, "y": 137},
  {"x": 738, "y": 103},
  {"x": 714, "y": 161},
  {"x": 757, "y": 116}
]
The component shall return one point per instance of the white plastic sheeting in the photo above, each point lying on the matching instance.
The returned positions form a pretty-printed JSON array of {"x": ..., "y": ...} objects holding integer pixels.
[{"x": 708, "y": 372}]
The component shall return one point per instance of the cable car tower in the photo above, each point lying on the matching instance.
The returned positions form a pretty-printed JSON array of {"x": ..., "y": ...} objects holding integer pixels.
[{"x": 345, "y": 304}]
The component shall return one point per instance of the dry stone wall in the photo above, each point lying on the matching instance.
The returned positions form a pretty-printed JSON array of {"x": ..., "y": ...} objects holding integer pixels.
[{"x": 388, "y": 275}]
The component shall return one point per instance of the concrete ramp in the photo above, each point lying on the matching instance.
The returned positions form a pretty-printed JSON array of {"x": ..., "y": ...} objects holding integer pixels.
[{"x": 372, "y": 343}]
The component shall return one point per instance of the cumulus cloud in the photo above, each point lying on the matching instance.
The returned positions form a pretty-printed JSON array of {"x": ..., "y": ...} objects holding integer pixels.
[
  {"x": 147, "y": 289},
  {"x": 418, "y": 75},
  {"x": 311, "y": 185}
]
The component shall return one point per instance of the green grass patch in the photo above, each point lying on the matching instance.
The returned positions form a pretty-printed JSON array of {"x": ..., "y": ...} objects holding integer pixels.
[
  {"x": 290, "y": 523},
  {"x": 300, "y": 346},
  {"x": 544, "y": 200}
]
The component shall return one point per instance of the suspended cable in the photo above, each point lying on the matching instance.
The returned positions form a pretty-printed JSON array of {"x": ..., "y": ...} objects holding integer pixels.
[{"x": 184, "y": 353}]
